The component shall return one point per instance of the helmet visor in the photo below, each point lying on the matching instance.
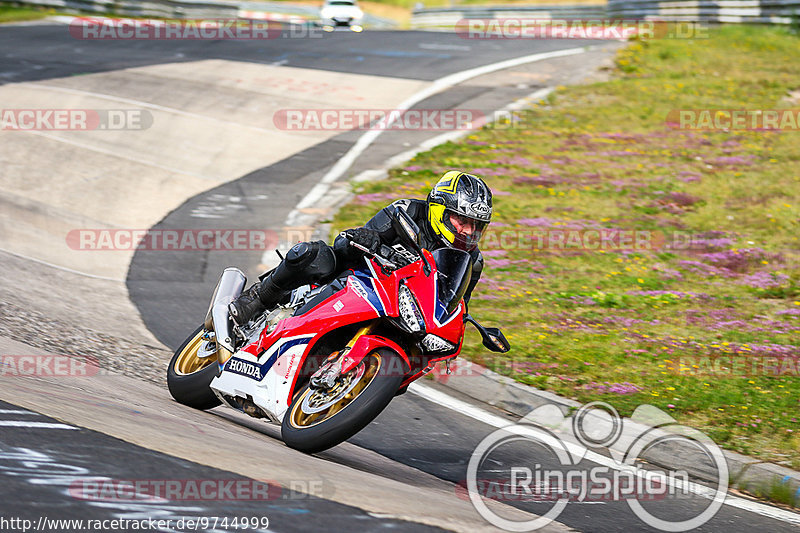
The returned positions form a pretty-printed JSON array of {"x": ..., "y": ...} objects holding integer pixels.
[{"x": 467, "y": 231}]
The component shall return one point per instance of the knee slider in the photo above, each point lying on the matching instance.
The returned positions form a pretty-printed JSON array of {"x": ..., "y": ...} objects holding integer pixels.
[
  {"x": 324, "y": 263},
  {"x": 315, "y": 260},
  {"x": 302, "y": 254}
]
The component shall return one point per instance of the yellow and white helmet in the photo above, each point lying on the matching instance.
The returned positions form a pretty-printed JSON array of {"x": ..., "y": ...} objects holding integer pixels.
[{"x": 459, "y": 209}]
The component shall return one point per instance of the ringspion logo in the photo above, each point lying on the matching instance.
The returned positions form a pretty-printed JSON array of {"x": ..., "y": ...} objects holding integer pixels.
[{"x": 559, "y": 473}]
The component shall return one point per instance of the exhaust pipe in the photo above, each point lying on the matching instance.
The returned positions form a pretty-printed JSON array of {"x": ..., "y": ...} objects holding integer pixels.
[{"x": 229, "y": 287}]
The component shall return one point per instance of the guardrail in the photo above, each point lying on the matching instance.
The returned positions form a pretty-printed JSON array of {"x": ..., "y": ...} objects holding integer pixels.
[
  {"x": 285, "y": 12},
  {"x": 710, "y": 11},
  {"x": 154, "y": 8},
  {"x": 735, "y": 11},
  {"x": 298, "y": 13},
  {"x": 446, "y": 17}
]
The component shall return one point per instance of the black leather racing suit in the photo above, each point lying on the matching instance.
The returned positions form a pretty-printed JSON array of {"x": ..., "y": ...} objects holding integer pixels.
[
  {"x": 316, "y": 262},
  {"x": 349, "y": 257}
]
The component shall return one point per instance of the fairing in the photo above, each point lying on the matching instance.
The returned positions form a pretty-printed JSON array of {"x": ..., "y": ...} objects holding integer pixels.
[{"x": 267, "y": 370}]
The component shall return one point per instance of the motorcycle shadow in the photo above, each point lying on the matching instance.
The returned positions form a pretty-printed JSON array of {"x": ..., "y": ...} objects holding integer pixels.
[{"x": 243, "y": 420}]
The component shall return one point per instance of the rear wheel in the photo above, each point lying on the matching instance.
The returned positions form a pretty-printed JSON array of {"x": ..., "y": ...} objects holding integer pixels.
[
  {"x": 189, "y": 376},
  {"x": 318, "y": 420}
]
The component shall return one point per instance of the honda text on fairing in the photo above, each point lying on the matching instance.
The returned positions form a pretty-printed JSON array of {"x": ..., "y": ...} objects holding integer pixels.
[{"x": 328, "y": 361}]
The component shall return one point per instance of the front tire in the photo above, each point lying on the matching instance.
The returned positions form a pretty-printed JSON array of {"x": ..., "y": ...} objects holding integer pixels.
[
  {"x": 318, "y": 420},
  {"x": 189, "y": 377}
]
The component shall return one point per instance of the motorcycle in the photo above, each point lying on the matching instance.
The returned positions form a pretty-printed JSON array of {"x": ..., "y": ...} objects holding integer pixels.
[{"x": 324, "y": 364}]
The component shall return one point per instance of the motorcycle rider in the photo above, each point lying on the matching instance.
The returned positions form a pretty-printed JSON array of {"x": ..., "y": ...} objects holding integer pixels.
[{"x": 455, "y": 214}]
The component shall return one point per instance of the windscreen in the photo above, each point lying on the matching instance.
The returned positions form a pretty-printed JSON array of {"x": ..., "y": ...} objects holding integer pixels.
[{"x": 455, "y": 270}]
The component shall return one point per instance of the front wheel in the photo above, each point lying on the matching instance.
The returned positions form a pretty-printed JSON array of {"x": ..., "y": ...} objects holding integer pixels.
[
  {"x": 189, "y": 376},
  {"x": 318, "y": 420}
]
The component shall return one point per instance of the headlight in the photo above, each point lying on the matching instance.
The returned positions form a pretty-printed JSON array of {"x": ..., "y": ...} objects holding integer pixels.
[
  {"x": 410, "y": 315},
  {"x": 434, "y": 343}
]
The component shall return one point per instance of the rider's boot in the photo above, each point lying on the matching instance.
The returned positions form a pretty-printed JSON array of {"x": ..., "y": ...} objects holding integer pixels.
[
  {"x": 305, "y": 263},
  {"x": 255, "y": 300}
]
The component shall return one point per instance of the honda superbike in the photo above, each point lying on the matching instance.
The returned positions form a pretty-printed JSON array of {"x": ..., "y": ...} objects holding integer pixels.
[{"x": 327, "y": 360}]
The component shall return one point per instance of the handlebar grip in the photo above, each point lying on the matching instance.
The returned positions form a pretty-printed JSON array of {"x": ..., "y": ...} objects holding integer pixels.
[
  {"x": 385, "y": 254},
  {"x": 359, "y": 247}
]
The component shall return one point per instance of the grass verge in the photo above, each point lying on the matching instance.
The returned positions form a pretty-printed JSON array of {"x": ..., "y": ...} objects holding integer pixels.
[
  {"x": 704, "y": 325},
  {"x": 11, "y": 13}
]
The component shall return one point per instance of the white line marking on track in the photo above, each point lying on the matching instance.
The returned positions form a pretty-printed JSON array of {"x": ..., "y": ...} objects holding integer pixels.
[
  {"x": 17, "y": 412},
  {"x": 437, "y": 86},
  {"x": 446, "y": 137},
  {"x": 486, "y": 417},
  {"x": 340, "y": 167},
  {"x": 40, "y": 425},
  {"x": 436, "y": 46}
]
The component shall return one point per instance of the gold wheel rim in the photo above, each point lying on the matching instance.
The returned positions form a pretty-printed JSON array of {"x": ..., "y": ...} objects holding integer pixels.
[
  {"x": 300, "y": 419},
  {"x": 187, "y": 361}
]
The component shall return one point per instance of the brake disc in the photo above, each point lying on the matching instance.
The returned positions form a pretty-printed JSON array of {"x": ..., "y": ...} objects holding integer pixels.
[{"x": 320, "y": 400}]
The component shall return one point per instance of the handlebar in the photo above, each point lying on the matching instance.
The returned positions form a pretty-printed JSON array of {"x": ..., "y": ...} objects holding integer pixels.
[{"x": 387, "y": 265}]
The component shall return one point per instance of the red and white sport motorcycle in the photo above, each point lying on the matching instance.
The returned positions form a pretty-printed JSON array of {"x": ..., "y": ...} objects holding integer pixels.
[{"x": 326, "y": 363}]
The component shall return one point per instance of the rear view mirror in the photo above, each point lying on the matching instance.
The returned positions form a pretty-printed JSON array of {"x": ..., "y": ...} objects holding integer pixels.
[
  {"x": 405, "y": 227},
  {"x": 493, "y": 338},
  {"x": 495, "y": 341}
]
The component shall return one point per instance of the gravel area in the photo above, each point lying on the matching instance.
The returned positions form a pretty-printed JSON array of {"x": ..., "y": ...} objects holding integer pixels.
[
  {"x": 65, "y": 313},
  {"x": 116, "y": 354}
]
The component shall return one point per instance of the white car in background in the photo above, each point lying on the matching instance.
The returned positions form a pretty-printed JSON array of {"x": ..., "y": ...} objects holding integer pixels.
[{"x": 341, "y": 13}]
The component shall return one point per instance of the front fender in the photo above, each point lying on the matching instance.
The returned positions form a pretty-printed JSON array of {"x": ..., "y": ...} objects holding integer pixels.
[{"x": 366, "y": 344}]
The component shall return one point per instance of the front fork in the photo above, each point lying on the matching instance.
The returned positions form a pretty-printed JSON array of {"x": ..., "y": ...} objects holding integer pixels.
[
  {"x": 223, "y": 354},
  {"x": 331, "y": 369}
]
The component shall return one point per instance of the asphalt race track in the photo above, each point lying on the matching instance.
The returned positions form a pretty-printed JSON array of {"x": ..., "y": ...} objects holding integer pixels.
[
  {"x": 57, "y": 436},
  {"x": 38, "y": 460}
]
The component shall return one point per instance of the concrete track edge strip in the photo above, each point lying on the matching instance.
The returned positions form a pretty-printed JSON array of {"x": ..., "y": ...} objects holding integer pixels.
[{"x": 58, "y": 267}]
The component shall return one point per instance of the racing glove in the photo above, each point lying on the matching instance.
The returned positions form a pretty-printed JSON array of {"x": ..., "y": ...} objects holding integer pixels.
[{"x": 368, "y": 238}]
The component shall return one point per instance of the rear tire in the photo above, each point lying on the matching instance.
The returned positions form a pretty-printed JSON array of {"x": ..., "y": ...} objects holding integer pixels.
[
  {"x": 189, "y": 377},
  {"x": 312, "y": 432}
]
